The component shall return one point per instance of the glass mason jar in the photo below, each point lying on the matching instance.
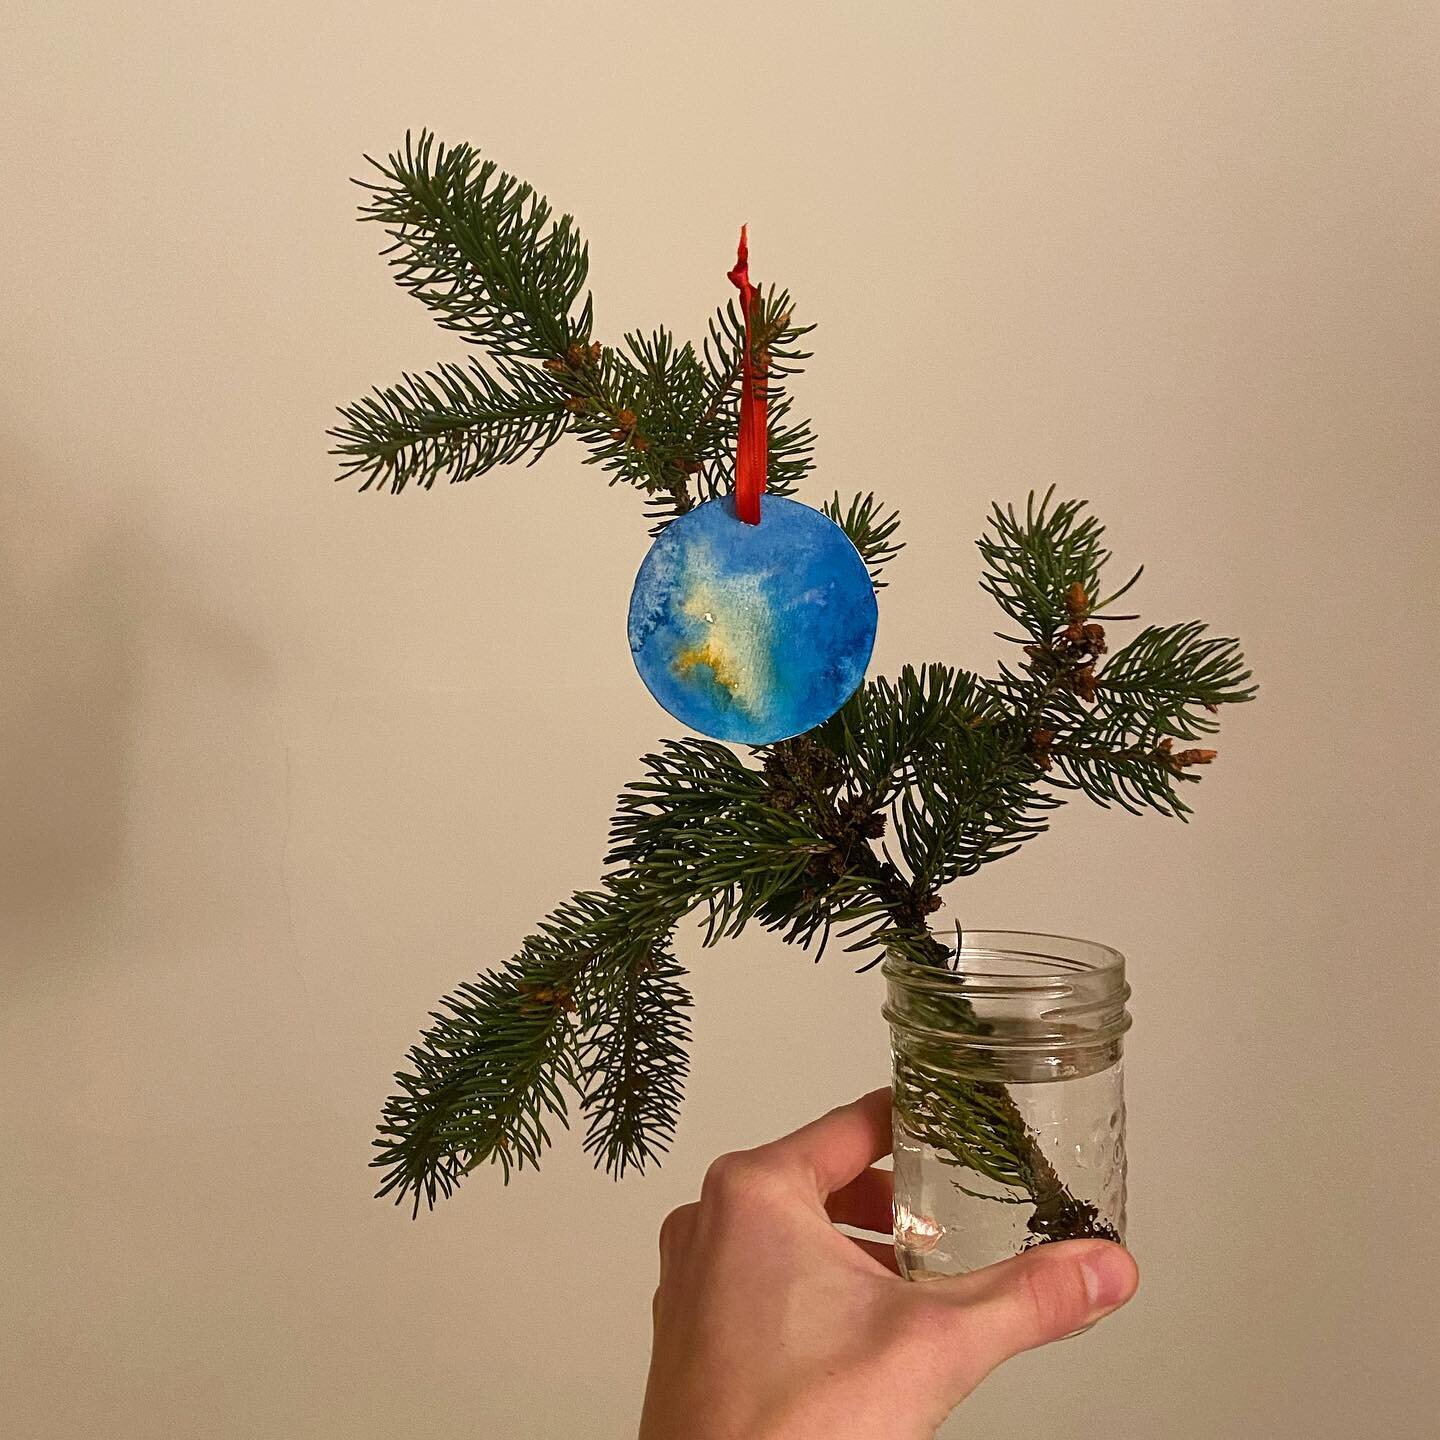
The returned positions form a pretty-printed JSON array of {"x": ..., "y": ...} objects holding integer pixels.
[{"x": 1009, "y": 1114}]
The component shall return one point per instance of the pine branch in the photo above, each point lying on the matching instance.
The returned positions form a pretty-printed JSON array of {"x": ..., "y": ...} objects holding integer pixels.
[
  {"x": 884, "y": 730},
  {"x": 485, "y": 254},
  {"x": 1034, "y": 566},
  {"x": 454, "y": 422},
  {"x": 1111, "y": 771},
  {"x": 975, "y": 798},
  {"x": 1114, "y": 736},
  {"x": 962, "y": 771},
  {"x": 776, "y": 339},
  {"x": 1170, "y": 681},
  {"x": 703, "y": 829},
  {"x": 777, "y": 346},
  {"x": 853, "y": 829},
  {"x": 592, "y": 1003},
  {"x": 494, "y": 1067},
  {"x": 791, "y": 455},
  {"x": 971, "y": 1121},
  {"x": 635, "y": 410},
  {"x": 634, "y": 1063},
  {"x": 967, "y": 1126},
  {"x": 490, "y": 1073},
  {"x": 871, "y": 529},
  {"x": 480, "y": 249}
]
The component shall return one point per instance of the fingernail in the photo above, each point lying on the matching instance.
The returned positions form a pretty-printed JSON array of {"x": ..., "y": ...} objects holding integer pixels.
[{"x": 1108, "y": 1272}]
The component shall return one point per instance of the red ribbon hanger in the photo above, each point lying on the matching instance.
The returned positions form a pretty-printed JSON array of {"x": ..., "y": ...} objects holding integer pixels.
[{"x": 752, "y": 450}]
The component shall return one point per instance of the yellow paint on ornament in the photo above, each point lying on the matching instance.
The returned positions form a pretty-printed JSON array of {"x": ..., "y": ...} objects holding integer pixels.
[
  {"x": 735, "y": 612},
  {"x": 720, "y": 667}
]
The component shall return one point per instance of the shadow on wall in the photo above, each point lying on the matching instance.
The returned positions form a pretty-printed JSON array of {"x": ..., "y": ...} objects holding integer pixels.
[{"x": 84, "y": 589}]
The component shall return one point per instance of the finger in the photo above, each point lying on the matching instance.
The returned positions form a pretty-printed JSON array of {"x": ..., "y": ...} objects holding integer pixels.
[
  {"x": 833, "y": 1150},
  {"x": 1042, "y": 1295},
  {"x": 867, "y": 1202},
  {"x": 878, "y": 1250}
]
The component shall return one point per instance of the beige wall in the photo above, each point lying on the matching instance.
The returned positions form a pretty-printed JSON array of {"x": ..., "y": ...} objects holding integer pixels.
[{"x": 283, "y": 762}]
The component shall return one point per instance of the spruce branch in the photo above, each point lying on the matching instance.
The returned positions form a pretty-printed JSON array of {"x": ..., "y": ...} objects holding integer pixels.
[
  {"x": 657, "y": 416},
  {"x": 854, "y": 829},
  {"x": 480, "y": 249},
  {"x": 1113, "y": 771},
  {"x": 633, "y": 1057},
  {"x": 494, "y": 1068},
  {"x": 1170, "y": 680},
  {"x": 857, "y": 826},
  {"x": 452, "y": 423},
  {"x": 592, "y": 1002},
  {"x": 882, "y": 733},
  {"x": 976, "y": 800},
  {"x": 489, "y": 259},
  {"x": 776, "y": 339},
  {"x": 704, "y": 829},
  {"x": 1036, "y": 566},
  {"x": 489, "y": 1075},
  {"x": 871, "y": 529}
]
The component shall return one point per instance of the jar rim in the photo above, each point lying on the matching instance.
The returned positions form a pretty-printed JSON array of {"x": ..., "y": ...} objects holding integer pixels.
[{"x": 1059, "y": 957}]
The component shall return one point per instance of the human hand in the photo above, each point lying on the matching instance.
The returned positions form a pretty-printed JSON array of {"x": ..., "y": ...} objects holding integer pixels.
[{"x": 771, "y": 1324}]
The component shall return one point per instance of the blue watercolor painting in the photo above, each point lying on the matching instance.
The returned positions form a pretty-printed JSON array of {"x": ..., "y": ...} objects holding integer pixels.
[{"x": 752, "y": 633}]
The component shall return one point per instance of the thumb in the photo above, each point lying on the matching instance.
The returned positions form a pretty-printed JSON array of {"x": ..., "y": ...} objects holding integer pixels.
[{"x": 1041, "y": 1295}]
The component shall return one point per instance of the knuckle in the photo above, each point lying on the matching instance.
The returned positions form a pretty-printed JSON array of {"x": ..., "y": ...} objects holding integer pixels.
[{"x": 731, "y": 1179}]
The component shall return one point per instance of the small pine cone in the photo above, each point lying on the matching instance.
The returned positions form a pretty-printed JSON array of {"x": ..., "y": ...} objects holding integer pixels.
[
  {"x": 1077, "y": 602},
  {"x": 798, "y": 756},
  {"x": 626, "y": 419},
  {"x": 873, "y": 827}
]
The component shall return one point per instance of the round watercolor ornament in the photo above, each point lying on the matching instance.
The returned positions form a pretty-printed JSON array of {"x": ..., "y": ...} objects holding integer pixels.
[{"x": 752, "y": 633}]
